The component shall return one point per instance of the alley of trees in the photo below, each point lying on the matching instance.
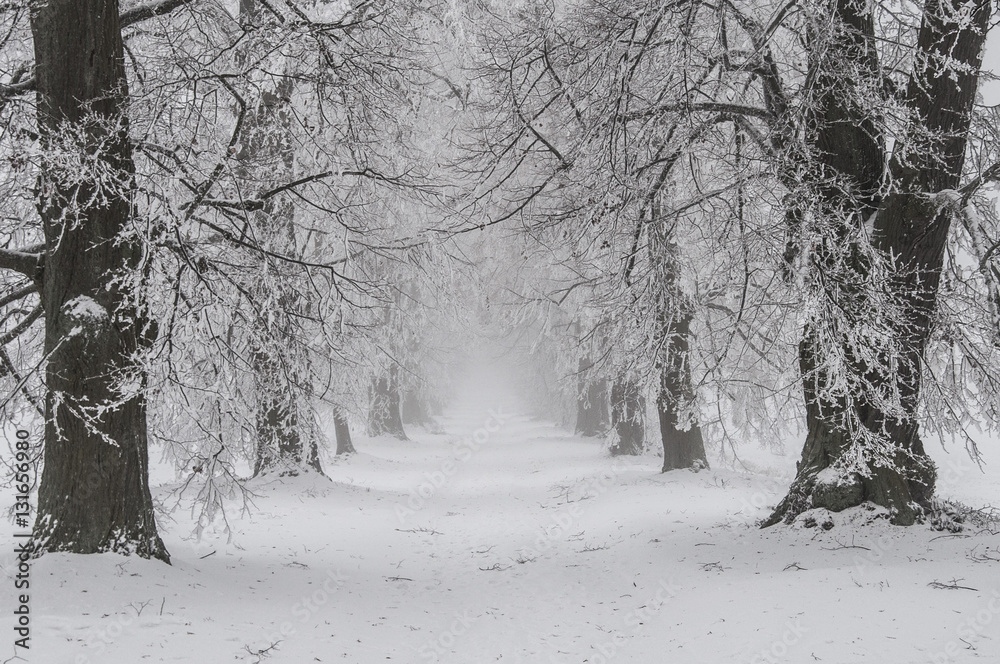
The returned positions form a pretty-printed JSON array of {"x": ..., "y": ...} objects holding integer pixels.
[{"x": 700, "y": 224}]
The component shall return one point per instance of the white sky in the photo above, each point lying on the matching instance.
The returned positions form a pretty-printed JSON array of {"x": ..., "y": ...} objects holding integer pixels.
[{"x": 991, "y": 89}]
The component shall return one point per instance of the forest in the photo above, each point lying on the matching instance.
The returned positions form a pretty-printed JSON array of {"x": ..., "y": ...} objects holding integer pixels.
[{"x": 500, "y": 330}]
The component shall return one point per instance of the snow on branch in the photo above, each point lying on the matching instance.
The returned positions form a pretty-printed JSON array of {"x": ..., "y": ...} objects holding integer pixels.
[
  {"x": 27, "y": 263},
  {"x": 150, "y": 10},
  {"x": 701, "y": 107}
]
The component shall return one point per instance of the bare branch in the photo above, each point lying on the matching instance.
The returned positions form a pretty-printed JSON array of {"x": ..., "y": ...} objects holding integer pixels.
[
  {"x": 252, "y": 204},
  {"x": 27, "y": 263},
  {"x": 19, "y": 294},
  {"x": 991, "y": 174},
  {"x": 21, "y": 327},
  {"x": 7, "y": 368},
  {"x": 701, "y": 107}
]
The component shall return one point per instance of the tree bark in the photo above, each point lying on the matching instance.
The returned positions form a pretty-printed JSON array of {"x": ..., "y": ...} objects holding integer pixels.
[
  {"x": 592, "y": 403},
  {"x": 910, "y": 228},
  {"x": 344, "y": 443},
  {"x": 286, "y": 440},
  {"x": 94, "y": 491},
  {"x": 384, "y": 415},
  {"x": 627, "y": 418},
  {"x": 680, "y": 431},
  {"x": 683, "y": 444}
]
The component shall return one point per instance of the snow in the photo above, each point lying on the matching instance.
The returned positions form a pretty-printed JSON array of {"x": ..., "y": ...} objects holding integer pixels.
[
  {"x": 946, "y": 199},
  {"x": 534, "y": 547},
  {"x": 828, "y": 476},
  {"x": 82, "y": 313}
]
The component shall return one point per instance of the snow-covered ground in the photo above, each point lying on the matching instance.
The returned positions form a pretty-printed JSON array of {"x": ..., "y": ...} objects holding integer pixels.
[{"x": 507, "y": 539}]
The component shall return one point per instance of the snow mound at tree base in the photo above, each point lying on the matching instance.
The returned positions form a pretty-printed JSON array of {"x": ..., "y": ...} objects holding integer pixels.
[{"x": 864, "y": 514}]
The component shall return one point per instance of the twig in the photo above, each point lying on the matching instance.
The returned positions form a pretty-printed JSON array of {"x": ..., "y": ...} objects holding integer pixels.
[
  {"x": 985, "y": 556},
  {"x": 841, "y": 545},
  {"x": 428, "y": 531},
  {"x": 950, "y": 586}
]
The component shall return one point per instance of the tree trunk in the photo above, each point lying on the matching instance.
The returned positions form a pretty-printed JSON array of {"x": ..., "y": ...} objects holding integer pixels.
[
  {"x": 414, "y": 408},
  {"x": 285, "y": 444},
  {"x": 680, "y": 431},
  {"x": 286, "y": 440},
  {"x": 628, "y": 418},
  {"x": 384, "y": 415},
  {"x": 683, "y": 444},
  {"x": 911, "y": 228},
  {"x": 344, "y": 443},
  {"x": 94, "y": 491},
  {"x": 592, "y": 403}
]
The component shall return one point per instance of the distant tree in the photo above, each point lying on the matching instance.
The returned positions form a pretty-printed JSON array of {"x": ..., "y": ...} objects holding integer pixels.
[
  {"x": 343, "y": 431},
  {"x": 575, "y": 157},
  {"x": 628, "y": 418}
]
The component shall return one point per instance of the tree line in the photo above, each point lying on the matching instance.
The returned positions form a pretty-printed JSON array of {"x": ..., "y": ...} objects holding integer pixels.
[{"x": 219, "y": 220}]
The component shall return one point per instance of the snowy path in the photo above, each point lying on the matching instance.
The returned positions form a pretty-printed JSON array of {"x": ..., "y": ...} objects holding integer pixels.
[{"x": 536, "y": 547}]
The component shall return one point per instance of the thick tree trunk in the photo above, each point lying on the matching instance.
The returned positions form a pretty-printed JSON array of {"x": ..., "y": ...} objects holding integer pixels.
[
  {"x": 627, "y": 418},
  {"x": 344, "y": 443},
  {"x": 683, "y": 444},
  {"x": 384, "y": 415},
  {"x": 592, "y": 403},
  {"x": 94, "y": 492},
  {"x": 911, "y": 227}
]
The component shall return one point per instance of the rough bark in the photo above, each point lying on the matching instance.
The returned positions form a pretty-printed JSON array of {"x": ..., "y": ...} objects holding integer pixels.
[
  {"x": 910, "y": 226},
  {"x": 627, "y": 418},
  {"x": 94, "y": 492},
  {"x": 384, "y": 417},
  {"x": 680, "y": 431},
  {"x": 683, "y": 444}
]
